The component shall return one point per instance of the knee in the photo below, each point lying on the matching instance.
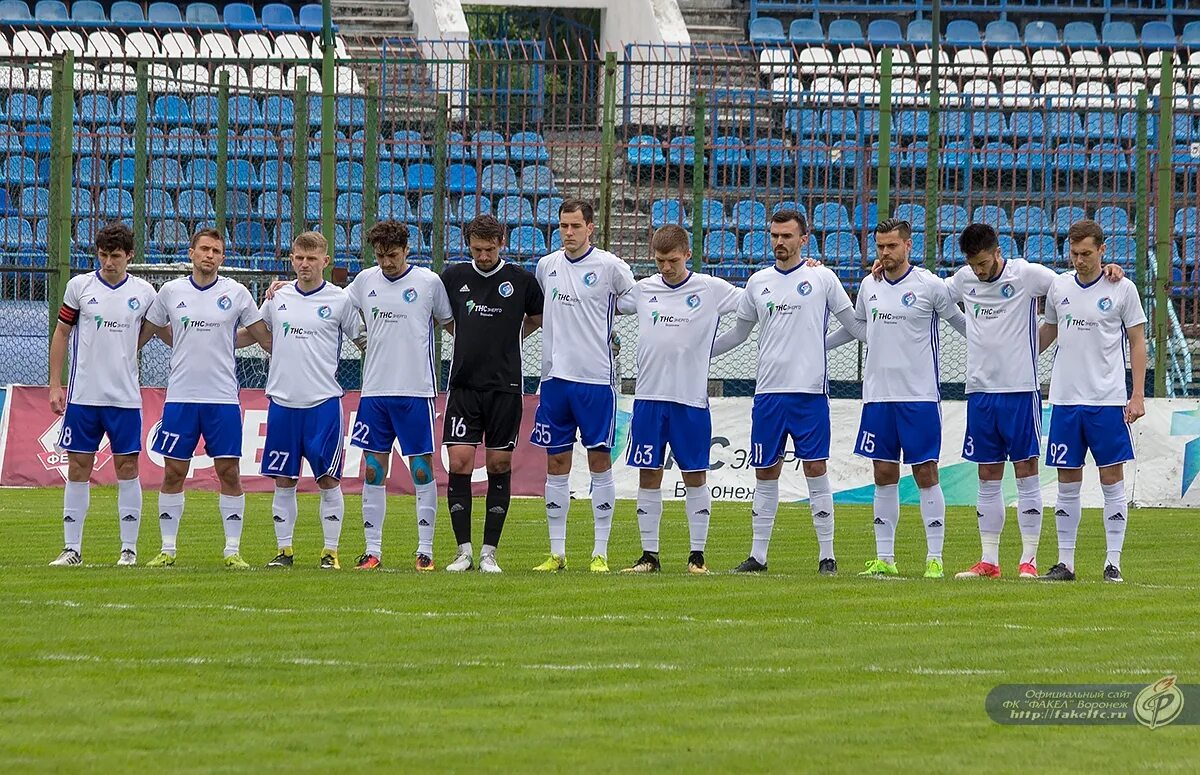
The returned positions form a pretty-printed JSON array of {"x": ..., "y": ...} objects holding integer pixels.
[
  {"x": 558, "y": 465},
  {"x": 497, "y": 469},
  {"x": 814, "y": 468},
  {"x": 127, "y": 467},
  {"x": 376, "y": 471},
  {"x": 926, "y": 475},
  {"x": 422, "y": 469}
]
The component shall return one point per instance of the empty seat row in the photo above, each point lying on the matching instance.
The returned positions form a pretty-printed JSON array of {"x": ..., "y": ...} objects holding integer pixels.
[{"x": 86, "y": 12}]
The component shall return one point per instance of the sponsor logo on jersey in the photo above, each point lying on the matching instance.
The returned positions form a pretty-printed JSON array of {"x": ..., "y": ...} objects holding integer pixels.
[
  {"x": 653, "y": 300},
  {"x": 296, "y": 331},
  {"x": 668, "y": 320},
  {"x": 410, "y": 295},
  {"x": 1064, "y": 302},
  {"x": 987, "y": 313},
  {"x": 781, "y": 309},
  {"x": 693, "y": 301},
  {"x": 386, "y": 315},
  {"x": 908, "y": 299},
  {"x": 553, "y": 273},
  {"x": 804, "y": 288},
  {"x": 972, "y": 293},
  {"x": 110, "y": 325},
  {"x": 224, "y": 302},
  {"x": 483, "y": 309},
  {"x": 765, "y": 292},
  {"x": 1105, "y": 304},
  {"x": 563, "y": 298},
  {"x": 506, "y": 289},
  {"x": 464, "y": 289},
  {"x": 193, "y": 323},
  {"x": 1070, "y": 321},
  {"x": 1007, "y": 290},
  {"x": 886, "y": 317},
  {"x": 590, "y": 279},
  {"x": 873, "y": 297},
  {"x": 324, "y": 311},
  {"x": 134, "y": 303}
]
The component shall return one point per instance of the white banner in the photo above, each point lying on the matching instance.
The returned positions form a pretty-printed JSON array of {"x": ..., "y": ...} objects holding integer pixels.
[{"x": 1167, "y": 441}]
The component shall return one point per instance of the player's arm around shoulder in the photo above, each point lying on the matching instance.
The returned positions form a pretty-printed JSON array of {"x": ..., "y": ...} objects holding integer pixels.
[{"x": 68, "y": 316}]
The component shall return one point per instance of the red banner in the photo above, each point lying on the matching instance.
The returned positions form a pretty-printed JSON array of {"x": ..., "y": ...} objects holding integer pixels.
[{"x": 31, "y": 458}]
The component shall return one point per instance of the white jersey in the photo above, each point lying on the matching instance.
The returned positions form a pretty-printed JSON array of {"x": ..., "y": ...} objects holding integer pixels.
[
  {"x": 902, "y": 335},
  {"x": 204, "y": 324},
  {"x": 107, "y": 321},
  {"x": 676, "y": 329},
  {"x": 792, "y": 310},
  {"x": 400, "y": 313},
  {"x": 577, "y": 320},
  {"x": 1089, "y": 364},
  {"x": 1002, "y": 325},
  {"x": 307, "y": 330}
]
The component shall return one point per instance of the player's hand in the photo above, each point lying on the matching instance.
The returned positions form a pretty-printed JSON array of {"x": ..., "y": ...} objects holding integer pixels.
[
  {"x": 275, "y": 286},
  {"x": 58, "y": 400},
  {"x": 614, "y": 344},
  {"x": 1134, "y": 409},
  {"x": 1113, "y": 273},
  {"x": 812, "y": 262},
  {"x": 877, "y": 269}
]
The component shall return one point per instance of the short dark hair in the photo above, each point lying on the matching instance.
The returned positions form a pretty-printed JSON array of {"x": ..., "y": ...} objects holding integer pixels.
[
  {"x": 388, "y": 234},
  {"x": 889, "y": 225},
  {"x": 209, "y": 232},
  {"x": 670, "y": 237},
  {"x": 783, "y": 216},
  {"x": 485, "y": 227},
  {"x": 115, "y": 236},
  {"x": 1083, "y": 229},
  {"x": 977, "y": 238},
  {"x": 578, "y": 206}
]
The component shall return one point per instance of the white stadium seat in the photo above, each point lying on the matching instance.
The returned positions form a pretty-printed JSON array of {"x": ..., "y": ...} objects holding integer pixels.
[
  {"x": 1126, "y": 65},
  {"x": 864, "y": 88},
  {"x": 1011, "y": 62},
  {"x": 339, "y": 48},
  {"x": 858, "y": 61},
  {"x": 290, "y": 46},
  {"x": 775, "y": 61},
  {"x": 1016, "y": 93},
  {"x": 1093, "y": 95},
  {"x": 815, "y": 61},
  {"x": 266, "y": 77},
  {"x": 179, "y": 45},
  {"x": 103, "y": 44},
  {"x": 12, "y": 78},
  {"x": 119, "y": 76},
  {"x": 786, "y": 89},
  {"x": 86, "y": 77},
  {"x": 238, "y": 79},
  {"x": 162, "y": 77},
  {"x": 1060, "y": 94},
  {"x": 314, "y": 78},
  {"x": 5, "y": 49},
  {"x": 254, "y": 45},
  {"x": 194, "y": 78},
  {"x": 831, "y": 88},
  {"x": 30, "y": 43},
  {"x": 906, "y": 91},
  {"x": 142, "y": 45},
  {"x": 1085, "y": 64},
  {"x": 346, "y": 81},
  {"x": 980, "y": 92},
  {"x": 217, "y": 45},
  {"x": 971, "y": 63},
  {"x": 66, "y": 40},
  {"x": 1048, "y": 63}
]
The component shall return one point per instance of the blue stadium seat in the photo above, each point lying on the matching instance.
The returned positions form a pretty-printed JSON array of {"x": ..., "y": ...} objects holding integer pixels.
[
  {"x": 527, "y": 241},
  {"x": 201, "y": 13},
  {"x": 35, "y": 201},
  {"x": 407, "y": 144},
  {"x": 884, "y": 32},
  {"x": 166, "y": 173},
  {"x": 279, "y": 111},
  {"x": 546, "y": 211},
  {"x": 1108, "y": 158},
  {"x": 988, "y": 124},
  {"x": 1158, "y": 35},
  {"x": 555, "y": 240},
  {"x": 756, "y": 246},
  {"x": 919, "y": 32},
  {"x": 712, "y": 214},
  {"x": 1190, "y": 38},
  {"x": 913, "y": 213},
  {"x": 169, "y": 235},
  {"x": 842, "y": 247},
  {"x": 311, "y": 16},
  {"x": 806, "y": 31},
  {"x": 911, "y": 123},
  {"x": 244, "y": 111},
  {"x": 955, "y": 125},
  {"x": 14, "y": 11},
  {"x": 115, "y": 203},
  {"x": 425, "y": 208},
  {"x": 528, "y": 148},
  {"x": 1070, "y": 157},
  {"x": 23, "y": 108},
  {"x": 490, "y": 146},
  {"x": 1080, "y": 35},
  {"x": 472, "y": 205},
  {"x": 962, "y": 32},
  {"x": 802, "y": 122},
  {"x": 1063, "y": 126},
  {"x": 995, "y": 156},
  {"x": 1001, "y": 34},
  {"x": 456, "y": 147},
  {"x": 951, "y": 218},
  {"x": 845, "y": 32},
  {"x": 748, "y": 215},
  {"x": 125, "y": 11},
  {"x": 95, "y": 109},
  {"x": 772, "y": 153},
  {"x": 994, "y": 216},
  {"x": 274, "y": 205},
  {"x": 390, "y": 177},
  {"x": 453, "y": 239},
  {"x": 1041, "y": 34},
  {"x": 202, "y": 173},
  {"x": 186, "y": 142},
  {"x": 681, "y": 151},
  {"x": 1027, "y": 126},
  {"x": 1008, "y": 246},
  {"x": 1119, "y": 35},
  {"x": 537, "y": 180},
  {"x": 499, "y": 179},
  {"x": 256, "y": 143},
  {"x": 1187, "y": 221},
  {"x": 839, "y": 123},
  {"x": 830, "y": 216},
  {"x": 50, "y": 11},
  {"x": 395, "y": 207},
  {"x": 1122, "y": 249},
  {"x": 91, "y": 171},
  {"x": 81, "y": 203},
  {"x": 351, "y": 111},
  {"x": 514, "y": 211},
  {"x": 16, "y": 233},
  {"x": 240, "y": 14},
  {"x": 645, "y": 151},
  {"x": 865, "y": 217},
  {"x": 1114, "y": 220},
  {"x": 276, "y": 15},
  {"x": 238, "y": 203},
  {"x": 88, "y": 11},
  {"x": 1101, "y": 126},
  {"x": 419, "y": 177},
  {"x": 730, "y": 151},
  {"x": 167, "y": 13},
  {"x": 123, "y": 173},
  {"x": 252, "y": 236},
  {"x": 349, "y": 207},
  {"x": 460, "y": 178},
  {"x": 204, "y": 110},
  {"x": 171, "y": 109},
  {"x": 665, "y": 211},
  {"x": 1065, "y": 216},
  {"x": 1030, "y": 219},
  {"x": 348, "y": 176},
  {"x": 312, "y": 206},
  {"x": 767, "y": 29},
  {"x": 720, "y": 245}
]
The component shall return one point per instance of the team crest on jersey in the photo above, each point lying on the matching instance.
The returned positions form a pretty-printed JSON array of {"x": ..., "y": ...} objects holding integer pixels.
[
  {"x": 324, "y": 311},
  {"x": 693, "y": 301},
  {"x": 908, "y": 299},
  {"x": 1007, "y": 290},
  {"x": 224, "y": 302},
  {"x": 804, "y": 288},
  {"x": 590, "y": 279},
  {"x": 134, "y": 303},
  {"x": 506, "y": 289},
  {"x": 1105, "y": 304},
  {"x": 410, "y": 295}
]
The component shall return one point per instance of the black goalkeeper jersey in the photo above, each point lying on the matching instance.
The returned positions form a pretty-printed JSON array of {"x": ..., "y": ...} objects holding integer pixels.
[{"x": 489, "y": 311}]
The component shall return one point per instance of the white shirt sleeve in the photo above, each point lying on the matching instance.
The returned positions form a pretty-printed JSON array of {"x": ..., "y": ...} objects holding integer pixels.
[
  {"x": 954, "y": 288},
  {"x": 837, "y": 299},
  {"x": 730, "y": 299},
  {"x": 265, "y": 312},
  {"x": 1051, "y": 315},
  {"x": 249, "y": 313},
  {"x": 441, "y": 302},
  {"x": 746, "y": 309},
  {"x": 1132, "y": 313},
  {"x": 158, "y": 314},
  {"x": 622, "y": 281},
  {"x": 351, "y": 321},
  {"x": 71, "y": 294},
  {"x": 1039, "y": 279},
  {"x": 627, "y": 303},
  {"x": 148, "y": 299},
  {"x": 352, "y": 294}
]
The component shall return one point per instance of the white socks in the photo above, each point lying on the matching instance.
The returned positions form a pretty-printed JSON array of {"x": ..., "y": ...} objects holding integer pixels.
[
  {"x": 887, "y": 516},
  {"x": 1029, "y": 516},
  {"x": 283, "y": 515},
  {"x": 232, "y": 509},
  {"x": 333, "y": 509},
  {"x": 698, "y": 501},
  {"x": 820, "y": 500},
  {"x": 762, "y": 517},
  {"x": 1066, "y": 518},
  {"x": 649, "y": 517},
  {"x": 426, "y": 516},
  {"x": 374, "y": 510},
  {"x": 76, "y": 498},
  {"x": 604, "y": 501},
  {"x": 933, "y": 514},
  {"x": 1116, "y": 516},
  {"x": 990, "y": 510},
  {"x": 129, "y": 511},
  {"x": 170, "y": 511},
  {"x": 558, "y": 502}
]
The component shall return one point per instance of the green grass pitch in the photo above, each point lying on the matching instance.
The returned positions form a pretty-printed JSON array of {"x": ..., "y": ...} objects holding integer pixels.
[{"x": 200, "y": 669}]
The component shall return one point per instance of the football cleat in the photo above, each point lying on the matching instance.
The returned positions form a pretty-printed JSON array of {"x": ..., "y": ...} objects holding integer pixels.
[
  {"x": 1027, "y": 570},
  {"x": 67, "y": 558},
  {"x": 235, "y": 562},
  {"x": 553, "y": 564},
  {"x": 599, "y": 564},
  {"x": 934, "y": 569},
  {"x": 488, "y": 564},
  {"x": 462, "y": 562},
  {"x": 329, "y": 561},
  {"x": 128, "y": 557},
  {"x": 827, "y": 567},
  {"x": 284, "y": 559},
  {"x": 647, "y": 563},
  {"x": 368, "y": 562},
  {"x": 1112, "y": 573},
  {"x": 750, "y": 565},
  {"x": 424, "y": 563},
  {"x": 880, "y": 568},
  {"x": 163, "y": 560},
  {"x": 1059, "y": 572},
  {"x": 696, "y": 563},
  {"x": 980, "y": 570}
]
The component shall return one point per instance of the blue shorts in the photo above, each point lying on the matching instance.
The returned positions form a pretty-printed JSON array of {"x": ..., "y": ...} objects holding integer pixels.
[
  {"x": 183, "y": 424},
  {"x": 565, "y": 407},
  {"x": 908, "y": 432},
  {"x": 313, "y": 434},
  {"x": 775, "y": 416},
  {"x": 1074, "y": 430},
  {"x": 1003, "y": 427},
  {"x": 384, "y": 420},
  {"x": 656, "y": 424},
  {"x": 84, "y": 426}
]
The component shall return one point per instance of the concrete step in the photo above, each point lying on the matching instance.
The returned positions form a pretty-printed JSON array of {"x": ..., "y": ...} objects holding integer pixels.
[{"x": 719, "y": 5}]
